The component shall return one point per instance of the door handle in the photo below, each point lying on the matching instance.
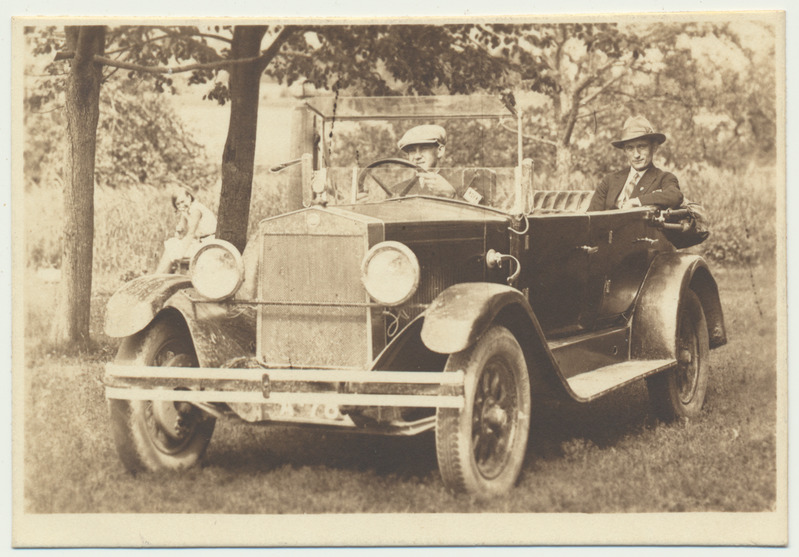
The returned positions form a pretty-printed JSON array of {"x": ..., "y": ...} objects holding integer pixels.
[
  {"x": 590, "y": 250},
  {"x": 650, "y": 241}
]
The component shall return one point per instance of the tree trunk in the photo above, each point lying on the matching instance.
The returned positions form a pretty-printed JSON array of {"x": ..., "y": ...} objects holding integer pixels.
[
  {"x": 563, "y": 166},
  {"x": 239, "y": 155},
  {"x": 563, "y": 154},
  {"x": 71, "y": 323}
]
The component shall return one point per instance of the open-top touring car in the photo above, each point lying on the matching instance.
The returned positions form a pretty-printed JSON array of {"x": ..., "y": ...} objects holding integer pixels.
[{"x": 371, "y": 312}]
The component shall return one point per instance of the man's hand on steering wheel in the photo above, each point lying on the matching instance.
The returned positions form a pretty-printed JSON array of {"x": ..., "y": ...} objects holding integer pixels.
[
  {"x": 434, "y": 183},
  {"x": 368, "y": 173}
]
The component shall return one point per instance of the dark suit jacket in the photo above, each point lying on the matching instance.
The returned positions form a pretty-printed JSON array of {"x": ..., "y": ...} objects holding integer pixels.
[
  {"x": 654, "y": 188},
  {"x": 412, "y": 186}
]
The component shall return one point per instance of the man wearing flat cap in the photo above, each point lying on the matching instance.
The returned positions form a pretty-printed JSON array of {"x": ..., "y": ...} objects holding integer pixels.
[
  {"x": 641, "y": 183},
  {"x": 424, "y": 146}
]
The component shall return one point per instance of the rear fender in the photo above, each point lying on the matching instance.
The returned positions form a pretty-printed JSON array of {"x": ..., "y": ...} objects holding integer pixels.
[{"x": 671, "y": 275}]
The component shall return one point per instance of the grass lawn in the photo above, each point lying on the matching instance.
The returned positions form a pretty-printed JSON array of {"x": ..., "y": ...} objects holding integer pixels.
[{"x": 608, "y": 456}]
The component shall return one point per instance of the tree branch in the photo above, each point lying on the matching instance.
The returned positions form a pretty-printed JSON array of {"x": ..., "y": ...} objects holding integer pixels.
[
  {"x": 172, "y": 33},
  {"x": 169, "y": 70},
  {"x": 262, "y": 60},
  {"x": 270, "y": 52},
  {"x": 504, "y": 126},
  {"x": 589, "y": 79},
  {"x": 169, "y": 33},
  {"x": 601, "y": 89},
  {"x": 151, "y": 40}
]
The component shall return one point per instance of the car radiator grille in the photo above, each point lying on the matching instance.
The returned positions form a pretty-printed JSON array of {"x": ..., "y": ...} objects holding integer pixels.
[
  {"x": 308, "y": 269},
  {"x": 444, "y": 264}
]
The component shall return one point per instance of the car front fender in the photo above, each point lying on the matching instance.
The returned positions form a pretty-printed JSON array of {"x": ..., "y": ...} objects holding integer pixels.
[
  {"x": 654, "y": 328},
  {"x": 136, "y": 304},
  {"x": 220, "y": 333},
  {"x": 461, "y": 313}
]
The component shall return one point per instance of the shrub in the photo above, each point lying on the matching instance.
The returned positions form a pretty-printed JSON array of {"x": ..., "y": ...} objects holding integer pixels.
[
  {"x": 130, "y": 224},
  {"x": 742, "y": 209}
]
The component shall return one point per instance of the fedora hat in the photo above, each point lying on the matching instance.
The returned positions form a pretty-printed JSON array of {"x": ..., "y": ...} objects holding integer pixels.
[
  {"x": 638, "y": 127},
  {"x": 427, "y": 134}
]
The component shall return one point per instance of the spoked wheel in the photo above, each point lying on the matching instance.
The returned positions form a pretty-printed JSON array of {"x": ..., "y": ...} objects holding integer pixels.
[
  {"x": 680, "y": 391},
  {"x": 368, "y": 173},
  {"x": 155, "y": 434},
  {"x": 481, "y": 447}
]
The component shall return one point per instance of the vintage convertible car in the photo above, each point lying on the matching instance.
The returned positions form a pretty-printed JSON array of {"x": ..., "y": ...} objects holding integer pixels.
[{"x": 373, "y": 313}]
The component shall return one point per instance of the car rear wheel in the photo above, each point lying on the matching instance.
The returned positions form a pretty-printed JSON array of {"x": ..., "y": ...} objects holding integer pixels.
[
  {"x": 680, "y": 391},
  {"x": 157, "y": 435},
  {"x": 481, "y": 447}
]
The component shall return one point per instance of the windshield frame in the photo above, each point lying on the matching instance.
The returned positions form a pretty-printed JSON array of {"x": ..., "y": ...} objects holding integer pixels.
[{"x": 333, "y": 108}]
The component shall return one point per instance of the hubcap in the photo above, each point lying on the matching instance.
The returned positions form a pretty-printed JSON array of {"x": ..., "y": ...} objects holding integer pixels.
[
  {"x": 171, "y": 424},
  {"x": 494, "y": 422}
]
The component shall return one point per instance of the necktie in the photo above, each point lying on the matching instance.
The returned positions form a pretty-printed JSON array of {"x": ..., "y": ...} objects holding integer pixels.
[{"x": 627, "y": 192}]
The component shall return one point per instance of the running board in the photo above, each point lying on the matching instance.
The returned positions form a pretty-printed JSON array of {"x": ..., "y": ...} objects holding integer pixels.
[{"x": 590, "y": 385}]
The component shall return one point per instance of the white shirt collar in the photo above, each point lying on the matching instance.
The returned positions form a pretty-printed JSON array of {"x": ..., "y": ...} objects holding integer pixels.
[{"x": 632, "y": 172}]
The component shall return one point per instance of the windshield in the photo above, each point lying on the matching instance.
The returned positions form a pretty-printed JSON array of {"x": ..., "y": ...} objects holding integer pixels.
[
  {"x": 365, "y": 163},
  {"x": 475, "y": 159},
  {"x": 485, "y": 186}
]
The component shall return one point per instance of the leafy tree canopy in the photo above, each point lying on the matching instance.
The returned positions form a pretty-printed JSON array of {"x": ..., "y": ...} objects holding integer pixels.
[{"x": 702, "y": 83}]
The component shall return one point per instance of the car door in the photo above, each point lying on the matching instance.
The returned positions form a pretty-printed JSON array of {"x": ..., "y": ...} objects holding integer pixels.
[
  {"x": 555, "y": 261},
  {"x": 625, "y": 244}
]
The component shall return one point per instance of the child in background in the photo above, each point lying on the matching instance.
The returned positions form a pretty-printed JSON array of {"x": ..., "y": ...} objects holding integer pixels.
[{"x": 196, "y": 224}]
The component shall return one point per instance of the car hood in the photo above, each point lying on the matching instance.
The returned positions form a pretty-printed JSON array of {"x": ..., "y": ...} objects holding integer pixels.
[
  {"x": 415, "y": 209},
  {"x": 420, "y": 222}
]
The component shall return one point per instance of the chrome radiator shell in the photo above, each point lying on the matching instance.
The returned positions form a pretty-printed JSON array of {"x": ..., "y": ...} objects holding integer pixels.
[{"x": 314, "y": 309}]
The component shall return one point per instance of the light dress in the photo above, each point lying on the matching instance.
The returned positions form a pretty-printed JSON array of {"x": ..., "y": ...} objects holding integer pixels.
[{"x": 206, "y": 228}]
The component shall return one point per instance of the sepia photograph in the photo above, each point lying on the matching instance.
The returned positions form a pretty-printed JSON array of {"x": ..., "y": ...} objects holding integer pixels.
[{"x": 464, "y": 280}]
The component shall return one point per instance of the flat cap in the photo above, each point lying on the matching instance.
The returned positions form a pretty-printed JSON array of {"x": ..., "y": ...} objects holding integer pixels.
[{"x": 423, "y": 135}]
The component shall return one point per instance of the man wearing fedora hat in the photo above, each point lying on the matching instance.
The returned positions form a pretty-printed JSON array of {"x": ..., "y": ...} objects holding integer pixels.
[
  {"x": 425, "y": 146},
  {"x": 642, "y": 183}
]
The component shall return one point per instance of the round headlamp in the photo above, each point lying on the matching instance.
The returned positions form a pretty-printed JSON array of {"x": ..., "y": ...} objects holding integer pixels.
[
  {"x": 217, "y": 270},
  {"x": 390, "y": 273}
]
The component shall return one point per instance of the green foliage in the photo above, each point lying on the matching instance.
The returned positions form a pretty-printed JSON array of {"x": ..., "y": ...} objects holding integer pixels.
[
  {"x": 709, "y": 86},
  {"x": 388, "y": 59},
  {"x": 715, "y": 94},
  {"x": 156, "y": 148},
  {"x": 741, "y": 209},
  {"x": 158, "y": 46},
  {"x": 270, "y": 196},
  {"x": 140, "y": 141},
  {"x": 131, "y": 224}
]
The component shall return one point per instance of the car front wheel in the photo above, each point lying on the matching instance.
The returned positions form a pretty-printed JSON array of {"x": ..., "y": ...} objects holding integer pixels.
[
  {"x": 158, "y": 435},
  {"x": 481, "y": 447},
  {"x": 680, "y": 391}
]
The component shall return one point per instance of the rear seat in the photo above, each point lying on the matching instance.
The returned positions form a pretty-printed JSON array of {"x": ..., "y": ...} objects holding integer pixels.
[{"x": 561, "y": 201}]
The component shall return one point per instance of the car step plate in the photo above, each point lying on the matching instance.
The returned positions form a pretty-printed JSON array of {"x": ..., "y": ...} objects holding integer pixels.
[{"x": 591, "y": 384}]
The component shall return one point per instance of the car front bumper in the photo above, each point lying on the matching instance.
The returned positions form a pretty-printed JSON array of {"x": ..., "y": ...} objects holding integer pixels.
[{"x": 352, "y": 388}]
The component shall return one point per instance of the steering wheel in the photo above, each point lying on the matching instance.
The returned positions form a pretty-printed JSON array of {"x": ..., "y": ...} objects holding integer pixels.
[{"x": 367, "y": 173}]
